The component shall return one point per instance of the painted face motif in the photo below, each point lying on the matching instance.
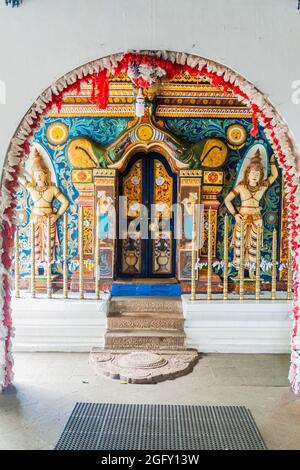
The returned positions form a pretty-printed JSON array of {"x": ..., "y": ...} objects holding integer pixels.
[
  {"x": 40, "y": 177},
  {"x": 236, "y": 134},
  {"x": 254, "y": 176}
]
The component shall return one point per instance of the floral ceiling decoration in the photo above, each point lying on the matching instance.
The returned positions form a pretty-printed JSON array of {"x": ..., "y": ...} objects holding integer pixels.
[{"x": 144, "y": 69}]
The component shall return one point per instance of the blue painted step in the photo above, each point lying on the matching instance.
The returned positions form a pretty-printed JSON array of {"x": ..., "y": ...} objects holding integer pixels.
[{"x": 146, "y": 290}]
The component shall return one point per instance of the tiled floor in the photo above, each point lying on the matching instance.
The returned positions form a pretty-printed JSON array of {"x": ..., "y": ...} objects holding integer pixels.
[{"x": 34, "y": 411}]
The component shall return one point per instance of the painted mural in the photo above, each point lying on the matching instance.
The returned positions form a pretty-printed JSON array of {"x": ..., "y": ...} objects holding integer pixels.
[
  {"x": 53, "y": 138},
  {"x": 203, "y": 135},
  {"x": 56, "y": 133},
  {"x": 193, "y": 130}
]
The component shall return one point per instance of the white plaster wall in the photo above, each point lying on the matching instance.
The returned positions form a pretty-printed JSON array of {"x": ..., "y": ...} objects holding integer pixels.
[
  {"x": 59, "y": 324},
  {"x": 43, "y": 39},
  {"x": 234, "y": 326}
]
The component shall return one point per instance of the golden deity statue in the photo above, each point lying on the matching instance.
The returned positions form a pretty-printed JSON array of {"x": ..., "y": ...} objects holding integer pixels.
[
  {"x": 250, "y": 190},
  {"x": 43, "y": 191}
]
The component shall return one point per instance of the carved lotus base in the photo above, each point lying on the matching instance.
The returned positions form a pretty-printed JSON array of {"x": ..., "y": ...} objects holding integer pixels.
[{"x": 142, "y": 367}]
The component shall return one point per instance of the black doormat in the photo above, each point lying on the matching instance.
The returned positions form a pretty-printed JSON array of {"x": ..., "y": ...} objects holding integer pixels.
[{"x": 105, "y": 426}]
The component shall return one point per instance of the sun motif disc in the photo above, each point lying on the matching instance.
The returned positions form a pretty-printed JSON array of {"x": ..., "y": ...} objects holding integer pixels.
[
  {"x": 57, "y": 133},
  {"x": 236, "y": 135},
  {"x": 145, "y": 132}
]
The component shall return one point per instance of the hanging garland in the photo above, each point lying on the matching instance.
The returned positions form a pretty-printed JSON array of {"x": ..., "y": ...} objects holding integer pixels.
[{"x": 143, "y": 70}]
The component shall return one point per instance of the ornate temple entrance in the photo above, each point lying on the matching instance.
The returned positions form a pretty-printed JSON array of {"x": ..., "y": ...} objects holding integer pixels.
[
  {"x": 147, "y": 243},
  {"x": 90, "y": 152}
]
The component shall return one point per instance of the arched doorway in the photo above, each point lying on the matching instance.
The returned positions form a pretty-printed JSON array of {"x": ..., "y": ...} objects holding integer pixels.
[
  {"x": 222, "y": 77},
  {"x": 150, "y": 188}
]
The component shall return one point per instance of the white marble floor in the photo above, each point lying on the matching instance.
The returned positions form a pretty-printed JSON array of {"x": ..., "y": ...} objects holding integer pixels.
[{"x": 34, "y": 410}]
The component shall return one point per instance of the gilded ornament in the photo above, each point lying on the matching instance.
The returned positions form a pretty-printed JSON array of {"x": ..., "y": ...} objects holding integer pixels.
[
  {"x": 145, "y": 132},
  {"x": 57, "y": 133},
  {"x": 236, "y": 136}
]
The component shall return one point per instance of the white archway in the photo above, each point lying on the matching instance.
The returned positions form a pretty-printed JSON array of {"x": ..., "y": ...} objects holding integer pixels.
[{"x": 263, "y": 111}]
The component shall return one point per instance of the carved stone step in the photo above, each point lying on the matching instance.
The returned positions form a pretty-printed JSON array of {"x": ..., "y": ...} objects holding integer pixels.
[
  {"x": 142, "y": 313},
  {"x": 145, "y": 305},
  {"x": 150, "y": 321},
  {"x": 144, "y": 339}
]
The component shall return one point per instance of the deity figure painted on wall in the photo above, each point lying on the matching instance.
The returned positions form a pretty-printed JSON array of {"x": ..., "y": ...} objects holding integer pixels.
[
  {"x": 43, "y": 192},
  {"x": 250, "y": 189},
  {"x": 188, "y": 204},
  {"x": 105, "y": 203}
]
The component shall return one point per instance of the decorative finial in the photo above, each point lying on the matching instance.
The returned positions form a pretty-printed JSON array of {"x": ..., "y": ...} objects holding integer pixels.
[
  {"x": 38, "y": 161},
  {"x": 256, "y": 159}
]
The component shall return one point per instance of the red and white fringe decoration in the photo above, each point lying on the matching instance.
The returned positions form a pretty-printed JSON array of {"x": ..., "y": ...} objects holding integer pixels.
[{"x": 171, "y": 63}]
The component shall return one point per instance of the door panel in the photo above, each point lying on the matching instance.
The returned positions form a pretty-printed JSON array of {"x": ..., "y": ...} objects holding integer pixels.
[
  {"x": 148, "y": 249},
  {"x": 132, "y": 189},
  {"x": 161, "y": 226}
]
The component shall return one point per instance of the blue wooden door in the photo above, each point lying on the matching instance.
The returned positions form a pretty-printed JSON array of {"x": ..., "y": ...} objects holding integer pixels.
[{"x": 147, "y": 242}]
